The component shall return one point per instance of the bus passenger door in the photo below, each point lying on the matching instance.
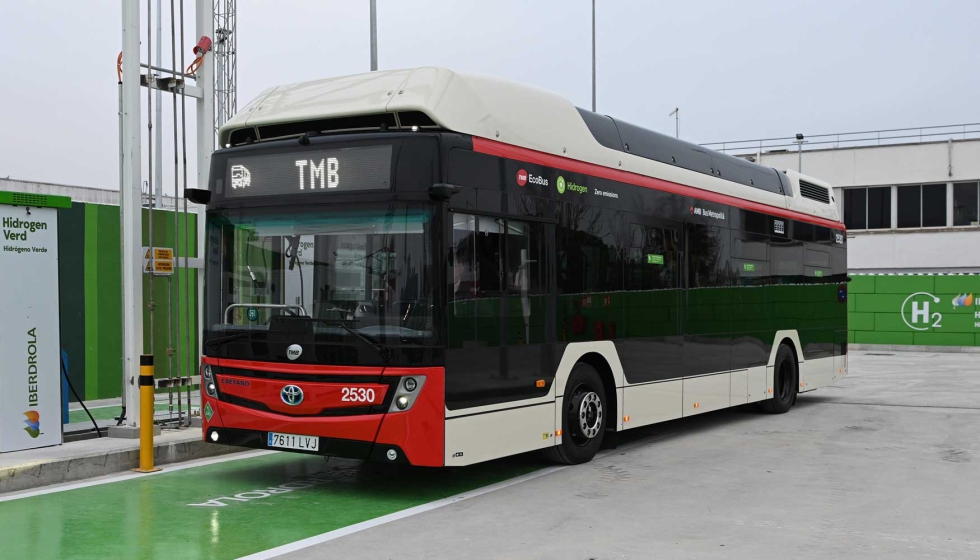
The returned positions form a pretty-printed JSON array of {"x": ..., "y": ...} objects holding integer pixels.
[{"x": 498, "y": 344}]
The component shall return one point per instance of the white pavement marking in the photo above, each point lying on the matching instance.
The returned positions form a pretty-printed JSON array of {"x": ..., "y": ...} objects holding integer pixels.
[
  {"x": 371, "y": 523},
  {"x": 357, "y": 527},
  {"x": 122, "y": 477}
]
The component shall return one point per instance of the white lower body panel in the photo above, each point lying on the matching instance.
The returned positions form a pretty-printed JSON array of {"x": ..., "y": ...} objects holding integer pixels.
[
  {"x": 652, "y": 402},
  {"x": 819, "y": 372},
  {"x": 482, "y": 437},
  {"x": 707, "y": 393}
]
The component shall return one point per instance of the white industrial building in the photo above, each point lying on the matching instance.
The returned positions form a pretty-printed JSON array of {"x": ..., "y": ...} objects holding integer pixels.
[{"x": 909, "y": 197}]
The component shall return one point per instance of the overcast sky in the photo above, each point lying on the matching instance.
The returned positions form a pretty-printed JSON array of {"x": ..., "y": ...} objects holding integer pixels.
[{"x": 737, "y": 69}]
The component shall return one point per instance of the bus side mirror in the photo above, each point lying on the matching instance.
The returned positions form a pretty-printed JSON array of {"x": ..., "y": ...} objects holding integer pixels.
[
  {"x": 442, "y": 191},
  {"x": 198, "y": 196}
]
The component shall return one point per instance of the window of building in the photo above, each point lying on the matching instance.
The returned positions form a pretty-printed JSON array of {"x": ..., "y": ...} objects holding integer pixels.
[
  {"x": 880, "y": 208},
  {"x": 910, "y": 206},
  {"x": 868, "y": 208},
  {"x": 965, "y": 204},
  {"x": 934, "y": 205},
  {"x": 856, "y": 208}
]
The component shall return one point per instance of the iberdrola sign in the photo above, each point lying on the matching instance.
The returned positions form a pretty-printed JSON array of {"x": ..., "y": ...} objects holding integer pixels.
[{"x": 30, "y": 346}]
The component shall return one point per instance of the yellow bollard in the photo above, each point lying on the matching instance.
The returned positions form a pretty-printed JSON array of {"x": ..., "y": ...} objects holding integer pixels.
[{"x": 146, "y": 414}]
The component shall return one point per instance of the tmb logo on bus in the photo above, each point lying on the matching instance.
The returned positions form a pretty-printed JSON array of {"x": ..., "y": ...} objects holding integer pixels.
[
  {"x": 523, "y": 178},
  {"x": 917, "y": 314}
]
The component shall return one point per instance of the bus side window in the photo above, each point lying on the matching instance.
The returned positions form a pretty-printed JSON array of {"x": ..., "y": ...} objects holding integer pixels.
[{"x": 475, "y": 253}]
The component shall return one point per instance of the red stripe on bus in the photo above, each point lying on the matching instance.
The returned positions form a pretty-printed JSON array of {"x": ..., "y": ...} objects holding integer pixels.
[
  {"x": 499, "y": 149},
  {"x": 280, "y": 367}
]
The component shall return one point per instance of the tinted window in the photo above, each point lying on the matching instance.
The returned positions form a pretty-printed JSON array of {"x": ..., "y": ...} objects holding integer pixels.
[
  {"x": 933, "y": 205},
  {"x": 652, "y": 260},
  {"x": 909, "y": 207},
  {"x": 880, "y": 208},
  {"x": 708, "y": 265},
  {"x": 855, "y": 208},
  {"x": 965, "y": 204},
  {"x": 591, "y": 246}
]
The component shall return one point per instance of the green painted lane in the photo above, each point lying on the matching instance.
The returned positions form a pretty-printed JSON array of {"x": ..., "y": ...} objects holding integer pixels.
[
  {"x": 228, "y": 509},
  {"x": 112, "y": 412}
]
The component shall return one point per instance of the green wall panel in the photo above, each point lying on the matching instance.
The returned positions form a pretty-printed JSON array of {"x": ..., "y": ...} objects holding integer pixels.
[
  {"x": 958, "y": 284},
  {"x": 90, "y": 292},
  {"x": 876, "y": 307},
  {"x": 71, "y": 291},
  {"x": 868, "y": 337},
  {"x": 92, "y": 272},
  {"x": 861, "y": 284},
  {"x": 904, "y": 284},
  {"x": 109, "y": 301},
  {"x": 943, "y": 339},
  {"x": 861, "y": 321},
  {"x": 879, "y": 303}
]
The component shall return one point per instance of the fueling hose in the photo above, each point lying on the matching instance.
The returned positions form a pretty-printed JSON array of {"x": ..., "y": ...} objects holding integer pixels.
[{"x": 79, "y": 399}]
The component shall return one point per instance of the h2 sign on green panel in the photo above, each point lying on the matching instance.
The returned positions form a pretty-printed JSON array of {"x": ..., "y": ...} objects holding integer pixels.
[{"x": 923, "y": 311}]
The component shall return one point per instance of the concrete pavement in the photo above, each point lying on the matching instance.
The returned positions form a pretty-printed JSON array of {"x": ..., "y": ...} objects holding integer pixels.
[{"x": 885, "y": 464}]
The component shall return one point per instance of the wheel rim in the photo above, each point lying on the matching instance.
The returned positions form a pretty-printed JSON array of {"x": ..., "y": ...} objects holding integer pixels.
[
  {"x": 585, "y": 415},
  {"x": 785, "y": 380}
]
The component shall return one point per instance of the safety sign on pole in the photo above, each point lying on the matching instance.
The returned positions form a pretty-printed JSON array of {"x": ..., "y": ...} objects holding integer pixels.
[
  {"x": 30, "y": 333},
  {"x": 159, "y": 261}
]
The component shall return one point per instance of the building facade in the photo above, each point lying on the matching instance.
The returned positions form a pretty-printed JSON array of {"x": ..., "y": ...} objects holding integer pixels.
[{"x": 911, "y": 204}]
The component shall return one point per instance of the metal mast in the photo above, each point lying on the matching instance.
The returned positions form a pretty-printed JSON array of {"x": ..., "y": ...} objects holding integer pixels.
[{"x": 225, "y": 64}]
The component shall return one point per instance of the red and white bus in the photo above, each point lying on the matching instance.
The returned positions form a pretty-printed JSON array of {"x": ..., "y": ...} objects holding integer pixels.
[{"x": 432, "y": 268}]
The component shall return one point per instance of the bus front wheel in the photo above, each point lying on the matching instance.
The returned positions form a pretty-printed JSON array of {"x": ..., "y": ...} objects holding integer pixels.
[{"x": 583, "y": 419}]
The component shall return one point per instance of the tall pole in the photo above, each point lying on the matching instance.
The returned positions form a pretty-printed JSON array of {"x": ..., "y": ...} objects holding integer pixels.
[
  {"x": 374, "y": 35},
  {"x": 131, "y": 208},
  {"x": 593, "y": 55},
  {"x": 158, "y": 131},
  {"x": 204, "y": 18},
  {"x": 676, "y": 113}
]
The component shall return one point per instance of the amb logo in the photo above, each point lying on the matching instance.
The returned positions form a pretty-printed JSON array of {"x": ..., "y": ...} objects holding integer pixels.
[{"x": 917, "y": 313}]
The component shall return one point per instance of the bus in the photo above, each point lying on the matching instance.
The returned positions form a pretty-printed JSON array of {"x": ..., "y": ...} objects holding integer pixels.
[{"x": 431, "y": 268}]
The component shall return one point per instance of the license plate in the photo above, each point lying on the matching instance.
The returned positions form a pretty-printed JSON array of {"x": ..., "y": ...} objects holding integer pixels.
[{"x": 293, "y": 441}]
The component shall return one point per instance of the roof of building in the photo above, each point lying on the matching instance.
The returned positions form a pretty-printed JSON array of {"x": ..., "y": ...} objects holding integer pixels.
[{"x": 89, "y": 195}]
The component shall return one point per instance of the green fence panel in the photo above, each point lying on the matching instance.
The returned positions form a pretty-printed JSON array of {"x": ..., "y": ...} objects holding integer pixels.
[{"x": 929, "y": 310}]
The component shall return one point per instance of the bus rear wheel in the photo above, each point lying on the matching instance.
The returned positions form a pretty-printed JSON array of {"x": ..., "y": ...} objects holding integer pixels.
[
  {"x": 583, "y": 419},
  {"x": 785, "y": 376}
]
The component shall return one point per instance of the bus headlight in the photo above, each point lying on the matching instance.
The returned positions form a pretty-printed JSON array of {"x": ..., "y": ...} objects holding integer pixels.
[
  {"x": 406, "y": 393},
  {"x": 209, "y": 386}
]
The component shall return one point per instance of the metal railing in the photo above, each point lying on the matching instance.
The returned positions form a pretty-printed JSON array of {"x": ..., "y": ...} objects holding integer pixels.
[{"x": 852, "y": 139}]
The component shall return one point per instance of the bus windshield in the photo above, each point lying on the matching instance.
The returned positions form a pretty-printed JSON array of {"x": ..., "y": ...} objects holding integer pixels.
[{"x": 347, "y": 275}]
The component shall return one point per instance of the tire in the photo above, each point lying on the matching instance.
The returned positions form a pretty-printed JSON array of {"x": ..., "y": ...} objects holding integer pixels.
[
  {"x": 784, "y": 383},
  {"x": 584, "y": 417}
]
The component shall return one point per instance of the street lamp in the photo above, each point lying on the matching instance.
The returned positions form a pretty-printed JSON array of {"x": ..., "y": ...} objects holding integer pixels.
[
  {"x": 799, "y": 150},
  {"x": 593, "y": 56}
]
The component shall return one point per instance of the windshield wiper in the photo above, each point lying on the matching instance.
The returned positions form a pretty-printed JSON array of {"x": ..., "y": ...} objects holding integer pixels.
[
  {"x": 383, "y": 350},
  {"x": 214, "y": 342}
]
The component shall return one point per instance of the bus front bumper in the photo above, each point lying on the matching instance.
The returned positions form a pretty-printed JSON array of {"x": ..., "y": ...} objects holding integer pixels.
[{"x": 415, "y": 436}]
